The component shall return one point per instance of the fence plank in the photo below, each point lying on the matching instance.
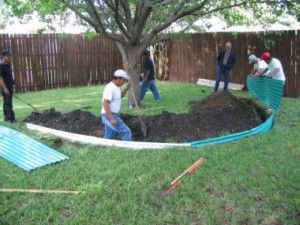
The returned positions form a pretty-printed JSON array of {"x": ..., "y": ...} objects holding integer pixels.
[{"x": 53, "y": 60}]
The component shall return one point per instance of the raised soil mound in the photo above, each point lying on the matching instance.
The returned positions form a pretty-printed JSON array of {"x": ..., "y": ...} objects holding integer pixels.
[{"x": 218, "y": 114}]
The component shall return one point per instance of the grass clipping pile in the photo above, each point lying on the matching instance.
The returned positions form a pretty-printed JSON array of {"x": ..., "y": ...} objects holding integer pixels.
[{"x": 218, "y": 114}]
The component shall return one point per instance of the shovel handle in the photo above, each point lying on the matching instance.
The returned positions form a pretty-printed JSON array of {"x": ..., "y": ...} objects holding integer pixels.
[
  {"x": 191, "y": 169},
  {"x": 17, "y": 97},
  {"x": 143, "y": 126},
  {"x": 195, "y": 165}
]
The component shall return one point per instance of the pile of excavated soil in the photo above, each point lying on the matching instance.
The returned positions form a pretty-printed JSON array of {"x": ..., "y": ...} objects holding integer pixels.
[{"x": 218, "y": 114}]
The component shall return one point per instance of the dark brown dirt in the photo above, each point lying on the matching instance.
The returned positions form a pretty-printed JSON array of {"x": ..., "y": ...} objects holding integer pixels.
[{"x": 218, "y": 114}]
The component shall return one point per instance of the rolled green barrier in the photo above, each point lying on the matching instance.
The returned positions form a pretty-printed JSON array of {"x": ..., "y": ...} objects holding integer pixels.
[
  {"x": 262, "y": 128},
  {"x": 267, "y": 90}
]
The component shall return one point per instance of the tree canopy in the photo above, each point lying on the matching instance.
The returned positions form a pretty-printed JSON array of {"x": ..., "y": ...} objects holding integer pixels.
[
  {"x": 136, "y": 24},
  {"x": 4, "y": 15},
  {"x": 145, "y": 22}
]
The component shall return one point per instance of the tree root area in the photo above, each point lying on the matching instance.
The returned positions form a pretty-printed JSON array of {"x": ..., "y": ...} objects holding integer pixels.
[{"x": 219, "y": 114}]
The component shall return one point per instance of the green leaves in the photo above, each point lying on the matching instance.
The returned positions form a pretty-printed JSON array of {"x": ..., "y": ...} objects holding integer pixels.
[
  {"x": 293, "y": 8},
  {"x": 20, "y": 8},
  {"x": 236, "y": 17},
  {"x": 4, "y": 15},
  {"x": 130, "y": 16},
  {"x": 89, "y": 35}
]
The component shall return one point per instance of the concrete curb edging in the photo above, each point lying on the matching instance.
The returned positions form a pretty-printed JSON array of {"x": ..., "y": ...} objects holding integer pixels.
[
  {"x": 85, "y": 139},
  {"x": 134, "y": 145}
]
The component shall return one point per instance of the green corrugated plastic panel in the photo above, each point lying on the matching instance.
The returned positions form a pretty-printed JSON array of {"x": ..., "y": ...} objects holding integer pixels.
[
  {"x": 26, "y": 152},
  {"x": 269, "y": 91},
  {"x": 262, "y": 128}
]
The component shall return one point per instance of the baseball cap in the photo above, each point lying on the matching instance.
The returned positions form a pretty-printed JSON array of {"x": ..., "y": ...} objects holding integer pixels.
[
  {"x": 265, "y": 56},
  {"x": 251, "y": 58},
  {"x": 6, "y": 53},
  {"x": 121, "y": 73}
]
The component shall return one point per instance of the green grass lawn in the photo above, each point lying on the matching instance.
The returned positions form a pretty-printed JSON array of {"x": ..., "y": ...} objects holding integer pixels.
[{"x": 252, "y": 181}]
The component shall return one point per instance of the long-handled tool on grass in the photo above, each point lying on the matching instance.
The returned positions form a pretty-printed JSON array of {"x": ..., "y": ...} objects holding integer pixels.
[
  {"x": 39, "y": 191},
  {"x": 143, "y": 125},
  {"x": 34, "y": 108},
  {"x": 176, "y": 182}
]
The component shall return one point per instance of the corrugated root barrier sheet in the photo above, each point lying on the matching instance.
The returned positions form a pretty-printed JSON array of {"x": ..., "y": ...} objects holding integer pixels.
[{"x": 26, "y": 152}]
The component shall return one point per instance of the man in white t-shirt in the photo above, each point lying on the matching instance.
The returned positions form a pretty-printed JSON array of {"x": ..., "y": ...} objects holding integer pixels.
[
  {"x": 274, "y": 66},
  {"x": 111, "y": 105},
  {"x": 258, "y": 65}
]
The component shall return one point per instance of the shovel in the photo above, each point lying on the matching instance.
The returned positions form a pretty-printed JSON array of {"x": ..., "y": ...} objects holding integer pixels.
[
  {"x": 143, "y": 125},
  {"x": 34, "y": 108}
]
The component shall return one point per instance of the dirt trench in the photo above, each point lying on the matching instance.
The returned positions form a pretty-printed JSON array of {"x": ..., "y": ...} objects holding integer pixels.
[{"x": 218, "y": 114}]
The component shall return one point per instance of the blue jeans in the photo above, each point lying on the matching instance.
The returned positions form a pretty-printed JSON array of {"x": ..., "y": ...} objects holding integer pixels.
[
  {"x": 226, "y": 74},
  {"x": 120, "y": 127},
  {"x": 150, "y": 84}
]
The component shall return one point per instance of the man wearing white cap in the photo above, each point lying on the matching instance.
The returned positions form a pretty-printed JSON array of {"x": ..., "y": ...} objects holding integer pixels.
[
  {"x": 259, "y": 65},
  {"x": 111, "y": 105}
]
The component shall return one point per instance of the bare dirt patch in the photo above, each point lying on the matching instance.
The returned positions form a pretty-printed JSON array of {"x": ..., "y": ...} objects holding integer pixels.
[{"x": 218, "y": 114}]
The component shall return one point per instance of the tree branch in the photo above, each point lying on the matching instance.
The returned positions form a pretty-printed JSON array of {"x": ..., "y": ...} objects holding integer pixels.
[
  {"x": 115, "y": 10},
  {"x": 176, "y": 16},
  {"x": 99, "y": 27},
  {"x": 138, "y": 28},
  {"x": 126, "y": 9},
  {"x": 138, "y": 12},
  {"x": 192, "y": 12}
]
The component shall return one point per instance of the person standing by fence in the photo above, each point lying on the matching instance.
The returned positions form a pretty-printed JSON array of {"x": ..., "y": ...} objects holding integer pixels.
[
  {"x": 111, "y": 105},
  {"x": 6, "y": 84},
  {"x": 226, "y": 61},
  {"x": 149, "y": 78}
]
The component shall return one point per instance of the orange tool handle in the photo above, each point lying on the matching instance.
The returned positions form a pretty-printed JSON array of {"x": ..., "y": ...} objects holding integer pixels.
[
  {"x": 195, "y": 165},
  {"x": 191, "y": 169}
]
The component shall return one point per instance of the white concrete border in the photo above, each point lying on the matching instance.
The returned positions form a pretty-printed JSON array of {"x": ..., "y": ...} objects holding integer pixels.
[
  {"x": 91, "y": 140},
  {"x": 211, "y": 83}
]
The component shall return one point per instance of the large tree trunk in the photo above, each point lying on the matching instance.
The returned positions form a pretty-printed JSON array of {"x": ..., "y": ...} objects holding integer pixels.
[
  {"x": 134, "y": 70},
  {"x": 131, "y": 58}
]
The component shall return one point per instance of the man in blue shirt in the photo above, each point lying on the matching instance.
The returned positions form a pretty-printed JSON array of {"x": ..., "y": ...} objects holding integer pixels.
[
  {"x": 6, "y": 85},
  {"x": 149, "y": 79},
  {"x": 226, "y": 61}
]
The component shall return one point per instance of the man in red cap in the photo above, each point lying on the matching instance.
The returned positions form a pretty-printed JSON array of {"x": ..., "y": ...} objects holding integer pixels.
[{"x": 274, "y": 67}]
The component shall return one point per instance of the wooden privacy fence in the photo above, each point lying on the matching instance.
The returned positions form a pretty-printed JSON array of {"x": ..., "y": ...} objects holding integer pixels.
[
  {"x": 194, "y": 56},
  {"x": 52, "y": 60}
]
